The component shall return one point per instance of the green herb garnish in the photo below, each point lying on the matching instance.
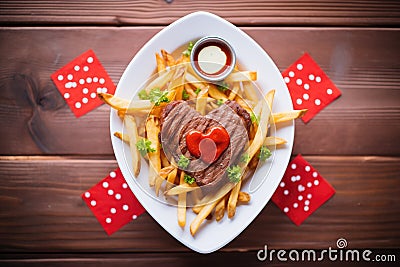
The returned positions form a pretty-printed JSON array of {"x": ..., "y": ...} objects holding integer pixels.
[
  {"x": 265, "y": 153},
  {"x": 254, "y": 118},
  {"x": 185, "y": 95},
  {"x": 223, "y": 86},
  {"x": 143, "y": 95},
  {"x": 157, "y": 96},
  {"x": 188, "y": 49},
  {"x": 220, "y": 102},
  {"x": 188, "y": 179},
  {"x": 183, "y": 162},
  {"x": 144, "y": 146},
  {"x": 197, "y": 91},
  {"x": 245, "y": 158},
  {"x": 234, "y": 173}
]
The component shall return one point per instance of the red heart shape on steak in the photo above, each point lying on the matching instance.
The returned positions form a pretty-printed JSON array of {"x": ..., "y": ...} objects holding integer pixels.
[{"x": 209, "y": 146}]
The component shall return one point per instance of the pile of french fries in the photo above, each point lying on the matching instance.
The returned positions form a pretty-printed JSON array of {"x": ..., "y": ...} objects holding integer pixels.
[{"x": 141, "y": 120}]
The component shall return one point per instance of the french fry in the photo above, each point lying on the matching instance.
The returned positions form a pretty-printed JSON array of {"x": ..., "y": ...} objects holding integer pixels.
[
  {"x": 168, "y": 58},
  {"x": 132, "y": 135},
  {"x": 244, "y": 197},
  {"x": 216, "y": 94},
  {"x": 153, "y": 129},
  {"x": 287, "y": 116},
  {"x": 121, "y": 136},
  {"x": 160, "y": 64},
  {"x": 241, "y": 76},
  {"x": 249, "y": 92},
  {"x": 220, "y": 209},
  {"x": 233, "y": 197},
  {"x": 178, "y": 82},
  {"x": 182, "y": 204},
  {"x": 171, "y": 179},
  {"x": 162, "y": 175},
  {"x": 123, "y": 105},
  {"x": 161, "y": 80},
  {"x": 205, "y": 211},
  {"x": 274, "y": 141},
  {"x": 201, "y": 101},
  {"x": 182, "y": 188},
  {"x": 243, "y": 104},
  {"x": 234, "y": 91},
  {"x": 164, "y": 159}
]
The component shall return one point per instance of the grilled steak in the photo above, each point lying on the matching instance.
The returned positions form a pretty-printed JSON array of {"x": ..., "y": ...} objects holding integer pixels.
[{"x": 178, "y": 119}]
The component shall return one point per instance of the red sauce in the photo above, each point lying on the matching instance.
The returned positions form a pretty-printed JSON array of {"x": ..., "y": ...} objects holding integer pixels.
[{"x": 209, "y": 146}]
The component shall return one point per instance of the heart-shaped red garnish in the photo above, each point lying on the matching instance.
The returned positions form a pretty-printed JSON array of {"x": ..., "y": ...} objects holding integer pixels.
[{"x": 209, "y": 146}]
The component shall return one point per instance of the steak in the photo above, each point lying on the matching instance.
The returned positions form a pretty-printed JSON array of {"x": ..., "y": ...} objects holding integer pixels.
[{"x": 178, "y": 119}]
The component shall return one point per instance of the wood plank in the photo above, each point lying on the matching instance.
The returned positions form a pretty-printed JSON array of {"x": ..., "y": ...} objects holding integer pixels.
[
  {"x": 42, "y": 211},
  {"x": 363, "y": 63},
  {"x": 157, "y": 12}
]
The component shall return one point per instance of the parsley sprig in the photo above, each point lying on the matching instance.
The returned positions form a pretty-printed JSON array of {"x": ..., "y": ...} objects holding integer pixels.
[
  {"x": 188, "y": 179},
  {"x": 188, "y": 50},
  {"x": 157, "y": 96},
  {"x": 265, "y": 153},
  {"x": 234, "y": 173},
  {"x": 183, "y": 162},
  {"x": 144, "y": 146},
  {"x": 223, "y": 86}
]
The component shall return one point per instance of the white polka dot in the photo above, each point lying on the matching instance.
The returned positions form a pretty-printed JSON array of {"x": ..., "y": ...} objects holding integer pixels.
[
  {"x": 85, "y": 91},
  {"x": 68, "y": 85},
  {"x": 105, "y": 184},
  {"x": 78, "y": 105},
  {"x": 306, "y": 86},
  {"x": 306, "y": 208},
  {"x": 95, "y": 79},
  {"x": 309, "y": 196},
  {"x": 110, "y": 192},
  {"x": 77, "y": 68},
  {"x": 299, "y": 101},
  {"x": 286, "y": 192},
  {"x": 306, "y": 96},
  {"x": 295, "y": 205},
  {"x": 318, "y": 79},
  {"x": 104, "y": 90},
  {"x": 307, "y": 168},
  {"x": 291, "y": 74},
  {"x": 311, "y": 77},
  {"x": 93, "y": 203},
  {"x": 287, "y": 79},
  {"x": 88, "y": 80},
  {"x": 85, "y": 100},
  {"x": 74, "y": 85},
  {"x": 108, "y": 220},
  {"x": 309, "y": 184},
  {"x": 66, "y": 95},
  {"x": 89, "y": 60},
  {"x": 87, "y": 194},
  {"x": 118, "y": 196},
  {"x": 134, "y": 216},
  {"x": 317, "y": 102},
  {"x": 282, "y": 184},
  {"x": 85, "y": 68},
  {"x": 329, "y": 91},
  {"x": 102, "y": 81},
  {"x": 315, "y": 174},
  {"x": 124, "y": 185},
  {"x": 299, "y": 66},
  {"x": 125, "y": 207},
  {"x": 93, "y": 95},
  {"x": 300, "y": 188},
  {"x": 293, "y": 166},
  {"x": 286, "y": 209},
  {"x": 307, "y": 202},
  {"x": 81, "y": 81},
  {"x": 113, "y": 210},
  {"x": 113, "y": 174},
  {"x": 316, "y": 182},
  {"x": 300, "y": 198},
  {"x": 298, "y": 177},
  {"x": 293, "y": 178},
  {"x": 98, "y": 90},
  {"x": 299, "y": 82},
  {"x": 70, "y": 77},
  {"x": 60, "y": 77}
]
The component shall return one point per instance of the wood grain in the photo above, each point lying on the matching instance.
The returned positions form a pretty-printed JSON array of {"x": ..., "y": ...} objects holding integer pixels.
[
  {"x": 158, "y": 12},
  {"x": 363, "y": 63},
  {"x": 42, "y": 211}
]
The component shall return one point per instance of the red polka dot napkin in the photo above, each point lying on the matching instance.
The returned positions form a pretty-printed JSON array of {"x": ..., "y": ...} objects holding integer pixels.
[
  {"x": 79, "y": 82},
  {"x": 309, "y": 86},
  {"x": 112, "y": 202},
  {"x": 301, "y": 191}
]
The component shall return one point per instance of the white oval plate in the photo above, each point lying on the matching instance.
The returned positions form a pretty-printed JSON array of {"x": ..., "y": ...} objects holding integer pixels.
[{"x": 214, "y": 235}]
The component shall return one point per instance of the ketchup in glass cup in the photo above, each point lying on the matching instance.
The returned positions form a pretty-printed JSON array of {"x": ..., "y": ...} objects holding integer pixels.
[{"x": 213, "y": 58}]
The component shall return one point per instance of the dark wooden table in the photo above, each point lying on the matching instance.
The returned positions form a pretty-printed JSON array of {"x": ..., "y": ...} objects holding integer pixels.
[{"x": 49, "y": 157}]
